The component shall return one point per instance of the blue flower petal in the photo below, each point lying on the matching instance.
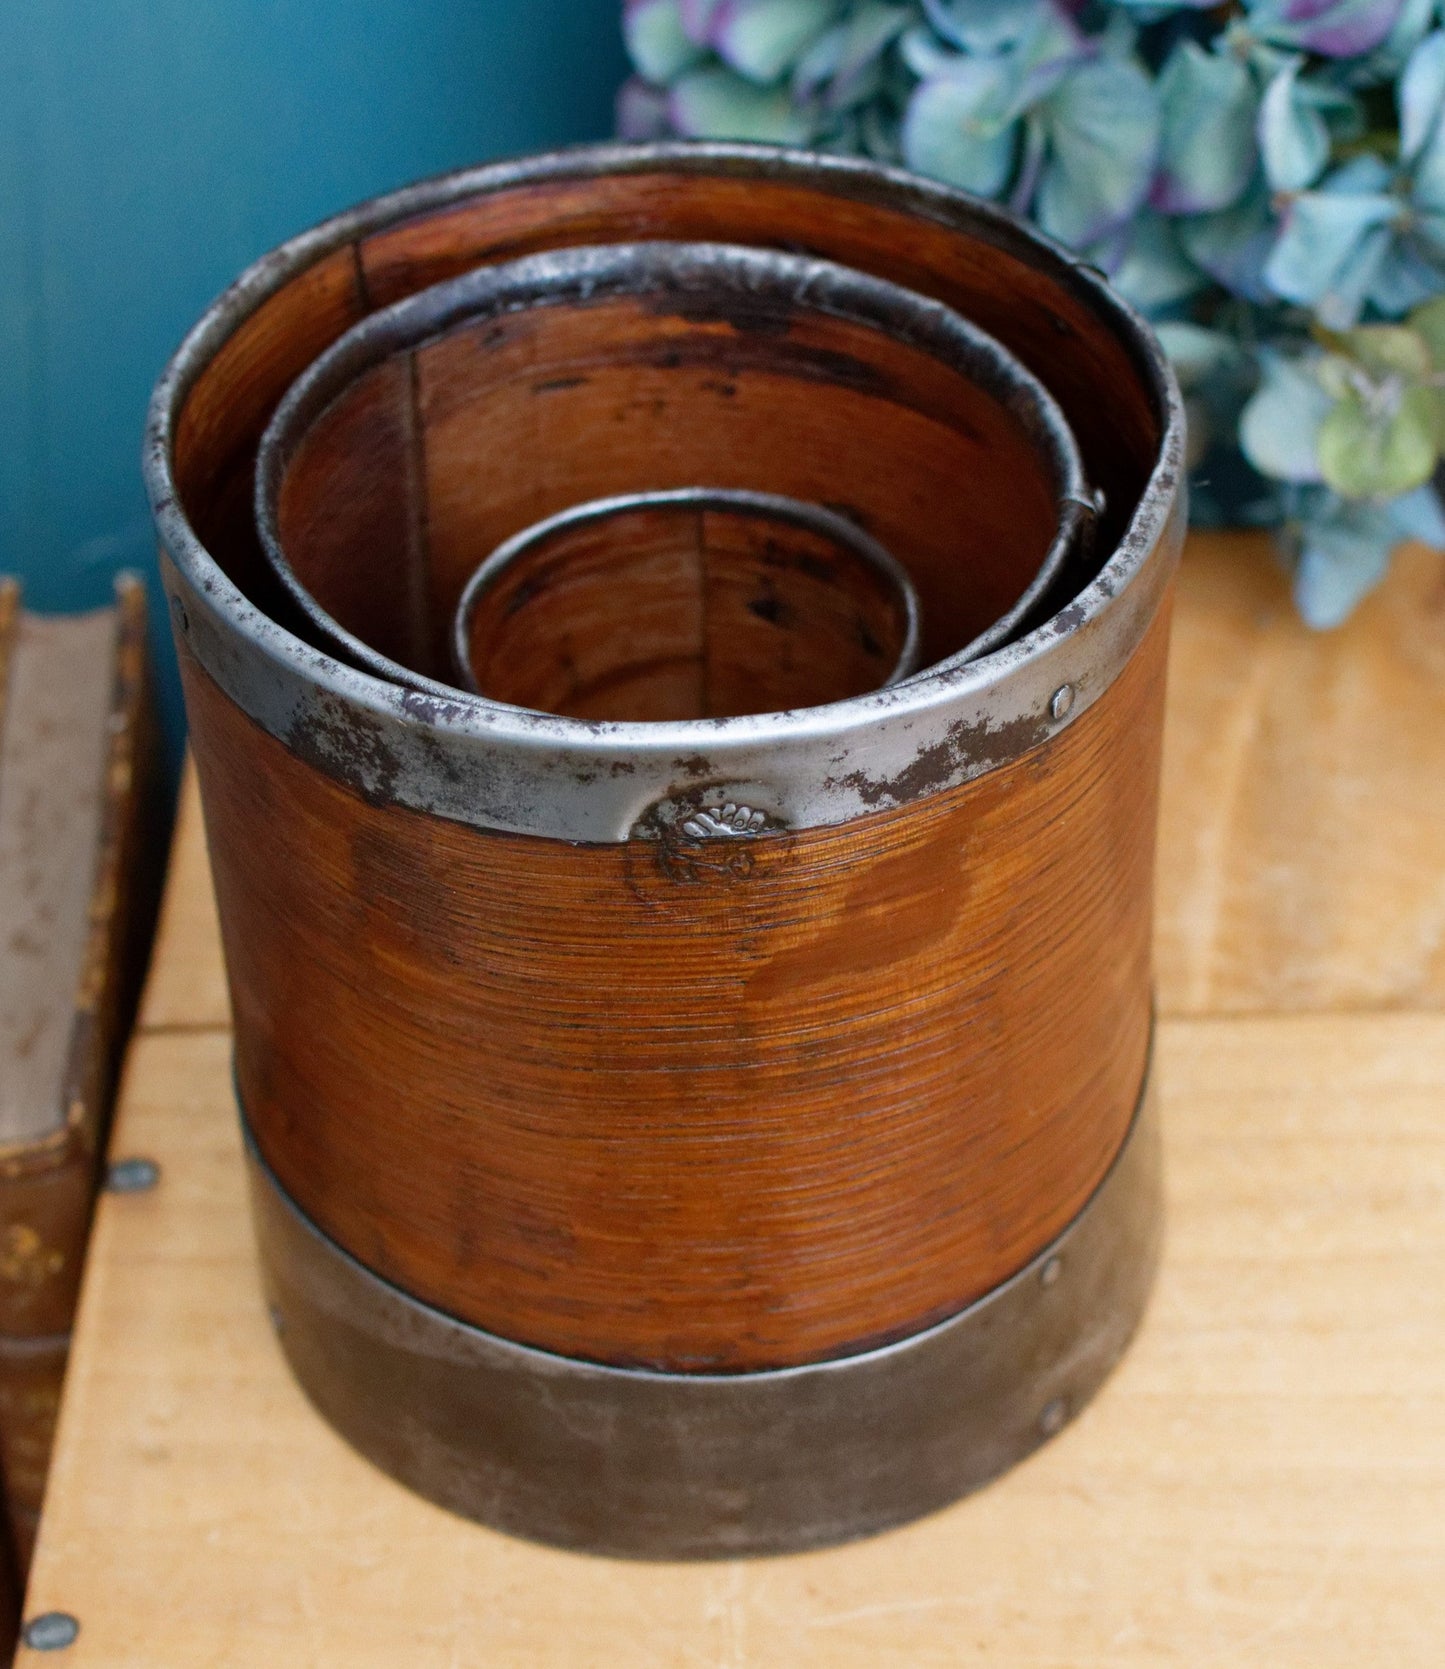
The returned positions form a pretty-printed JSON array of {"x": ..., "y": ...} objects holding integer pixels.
[
  {"x": 1421, "y": 95},
  {"x": 761, "y": 39},
  {"x": 1407, "y": 276},
  {"x": 984, "y": 25},
  {"x": 847, "y": 60},
  {"x": 1195, "y": 352},
  {"x": 1207, "y": 140},
  {"x": 1387, "y": 60},
  {"x": 658, "y": 44},
  {"x": 1422, "y": 129},
  {"x": 1233, "y": 245},
  {"x": 926, "y": 55},
  {"x": 642, "y": 110},
  {"x": 1103, "y": 127},
  {"x": 1418, "y": 515},
  {"x": 1294, "y": 141},
  {"x": 716, "y": 103},
  {"x": 1360, "y": 176},
  {"x": 697, "y": 18},
  {"x": 1044, "y": 56},
  {"x": 1280, "y": 424},
  {"x": 958, "y": 126},
  {"x": 1329, "y": 252},
  {"x": 1146, "y": 263},
  {"x": 1344, "y": 556}
]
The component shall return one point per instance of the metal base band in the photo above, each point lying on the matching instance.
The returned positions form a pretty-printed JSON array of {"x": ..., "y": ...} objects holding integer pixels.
[{"x": 679, "y": 1466}]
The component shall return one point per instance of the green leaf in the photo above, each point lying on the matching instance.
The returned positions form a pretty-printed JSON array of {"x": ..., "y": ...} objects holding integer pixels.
[
  {"x": 1437, "y": 408},
  {"x": 1364, "y": 454},
  {"x": 1383, "y": 350}
]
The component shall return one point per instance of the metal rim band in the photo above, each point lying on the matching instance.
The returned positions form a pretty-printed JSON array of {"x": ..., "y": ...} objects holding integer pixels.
[
  {"x": 677, "y": 1466},
  {"x": 674, "y": 271},
  {"x": 505, "y": 769},
  {"x": 817, "y": 518}
]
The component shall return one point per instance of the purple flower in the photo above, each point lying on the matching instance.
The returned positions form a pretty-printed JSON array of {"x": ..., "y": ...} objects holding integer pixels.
[
  {"x": 1332, "y": 28},
  {"x": 642, "y": 110}
]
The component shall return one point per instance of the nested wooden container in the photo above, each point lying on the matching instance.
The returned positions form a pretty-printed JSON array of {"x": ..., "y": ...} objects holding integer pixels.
[
  {"x": 709, "y": 1136},
  {"x": 694, "y": 602},
  {"x": 392, "y": 467}
]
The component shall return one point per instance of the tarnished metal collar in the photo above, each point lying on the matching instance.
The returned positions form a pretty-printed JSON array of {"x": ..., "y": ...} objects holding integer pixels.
[{"x": 504, "y": 768}]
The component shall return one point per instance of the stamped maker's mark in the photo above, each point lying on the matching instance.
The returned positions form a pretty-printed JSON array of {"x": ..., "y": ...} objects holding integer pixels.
[
  {"x": 697, "y": 843},
  {"x": 731, "y": 822}
]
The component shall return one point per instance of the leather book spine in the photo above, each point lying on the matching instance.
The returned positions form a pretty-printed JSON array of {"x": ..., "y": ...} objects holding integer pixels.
[{"x": 49, "y": 1175}]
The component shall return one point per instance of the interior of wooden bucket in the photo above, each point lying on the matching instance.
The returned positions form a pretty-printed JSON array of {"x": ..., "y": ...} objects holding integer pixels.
[
  {"x": 1020, "y": 295},
  {"x": 414, "y": 474},
  {"x": 681, "y": 611}
]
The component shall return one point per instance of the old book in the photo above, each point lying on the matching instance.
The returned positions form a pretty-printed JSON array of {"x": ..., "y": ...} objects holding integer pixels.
[{"x": 81, "y": 837}]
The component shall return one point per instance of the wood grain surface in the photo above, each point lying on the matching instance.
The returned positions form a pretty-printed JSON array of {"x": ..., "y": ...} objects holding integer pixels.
[
  {"x": 424, "y": 463},
  {"x": 685, "y": 610},
  {"x": 718, "y": 1118},
  {"x": 469, "y": 1127},
  {"x": 1301, "y": 852},
  {"x": 1087, "y": 368},
  {"x": 1260, "y": 1486},
  {"x": 186, "y": 986}
]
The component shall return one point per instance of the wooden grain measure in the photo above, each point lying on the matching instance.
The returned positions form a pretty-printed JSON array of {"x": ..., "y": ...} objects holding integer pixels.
[{"x": 607, "y": 1088}]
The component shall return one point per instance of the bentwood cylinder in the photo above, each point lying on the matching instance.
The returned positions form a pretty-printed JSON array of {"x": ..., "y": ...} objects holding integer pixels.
[
  {"x": 694, "y": 603},
  {"x": 718, "y": 1135},
  {"x": 444, "y": 424}
]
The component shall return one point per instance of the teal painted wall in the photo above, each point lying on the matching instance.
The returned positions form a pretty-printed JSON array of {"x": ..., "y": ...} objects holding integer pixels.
[{"x": 149, "y": 149}]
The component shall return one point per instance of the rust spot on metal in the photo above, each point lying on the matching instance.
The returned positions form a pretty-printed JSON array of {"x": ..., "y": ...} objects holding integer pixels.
[{"x": 937, "y": 766}]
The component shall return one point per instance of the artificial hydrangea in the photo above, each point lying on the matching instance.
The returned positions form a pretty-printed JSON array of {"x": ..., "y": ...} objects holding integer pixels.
[{"x": 1266, "y": 180}]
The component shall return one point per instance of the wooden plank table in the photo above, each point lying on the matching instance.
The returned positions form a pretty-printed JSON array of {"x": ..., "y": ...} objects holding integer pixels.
[{"x": 1262, "y": 1483}]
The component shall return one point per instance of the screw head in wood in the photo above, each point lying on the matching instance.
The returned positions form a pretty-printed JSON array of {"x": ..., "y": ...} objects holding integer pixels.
[
  {"x": 51, "y": 1631},
  {"x": 132, "y": 1176},
  {"x": 1061, "y": 702}
]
